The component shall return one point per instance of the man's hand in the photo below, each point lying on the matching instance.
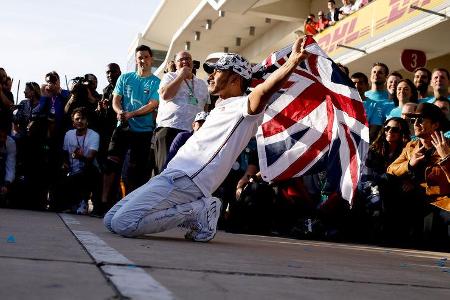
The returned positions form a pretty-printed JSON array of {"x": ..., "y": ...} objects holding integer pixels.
[
  {"x": 102, "y": 105},
  {"x": 127, "y": 115},
  {"x": 298, "y": 50},
  {"x": 185, "y": 72},
  {"x": 78, "y": 153},
  {"x": 440, "y": 144},
  {"x": 44, "y": 91},
  {"x": 261, "y": 94},
  {"x": 417, "y": 157},
  {"x": 121, "y": 115}
]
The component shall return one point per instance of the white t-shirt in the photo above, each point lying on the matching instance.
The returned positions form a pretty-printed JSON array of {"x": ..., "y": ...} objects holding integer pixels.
[
  {"x": 180, "y": 111},
  {"x": 346, "y": 9},
  {"x": 208, "y": 155},
  {"x": 87, "y": 142}
]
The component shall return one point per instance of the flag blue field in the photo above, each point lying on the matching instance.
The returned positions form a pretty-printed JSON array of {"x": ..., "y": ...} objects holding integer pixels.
[{"x": 317, "y": 121}]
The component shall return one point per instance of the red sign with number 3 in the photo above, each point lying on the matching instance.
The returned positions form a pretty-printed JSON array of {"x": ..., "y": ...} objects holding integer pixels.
[{"x": 412, "y": 59}]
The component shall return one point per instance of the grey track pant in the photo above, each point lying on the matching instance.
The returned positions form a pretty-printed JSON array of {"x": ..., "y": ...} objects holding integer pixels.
[{"x": 164, "y": 202}]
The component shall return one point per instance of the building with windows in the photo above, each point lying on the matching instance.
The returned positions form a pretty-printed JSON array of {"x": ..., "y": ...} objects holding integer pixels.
[{"x": 382, "y": 30}]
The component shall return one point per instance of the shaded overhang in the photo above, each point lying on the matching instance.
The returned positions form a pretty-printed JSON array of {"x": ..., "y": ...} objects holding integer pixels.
[
  {"x": 253, "y": 28},
  {"x": 277, "y": 22}
]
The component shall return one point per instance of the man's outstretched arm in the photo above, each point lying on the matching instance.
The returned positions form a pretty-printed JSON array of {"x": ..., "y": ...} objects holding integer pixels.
[{"x": 259, "y": 97}]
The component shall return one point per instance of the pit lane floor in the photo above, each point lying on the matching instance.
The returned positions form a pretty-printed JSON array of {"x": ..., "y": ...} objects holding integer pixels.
[{"x": 46, "y": 255}]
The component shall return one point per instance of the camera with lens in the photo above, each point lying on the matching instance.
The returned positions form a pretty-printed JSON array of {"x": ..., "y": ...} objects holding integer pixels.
[
  {"x": 79, "y": 87},
  {"x": 75, "y": 152},
  {"x": 195, "y": 64},
  {"x": 17, "y": 107}
]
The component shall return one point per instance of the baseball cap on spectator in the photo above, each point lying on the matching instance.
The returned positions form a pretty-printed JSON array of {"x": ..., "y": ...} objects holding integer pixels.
[
  {"x": 201, "y": 116},
  {"x": 233, "y": 62}
]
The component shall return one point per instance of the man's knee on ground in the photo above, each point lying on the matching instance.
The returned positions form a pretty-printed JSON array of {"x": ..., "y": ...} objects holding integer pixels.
[
  {"x": 123, "y": 225},
  {"x": 107, "y": 221}
]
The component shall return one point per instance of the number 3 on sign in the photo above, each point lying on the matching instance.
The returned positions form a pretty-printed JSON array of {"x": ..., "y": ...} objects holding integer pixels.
[{"x": 412, "y": 59}]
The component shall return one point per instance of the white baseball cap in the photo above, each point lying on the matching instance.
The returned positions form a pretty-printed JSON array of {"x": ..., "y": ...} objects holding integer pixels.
[
  {"x": 233, "y": 62},
  {"x": 201, "y": 116}
]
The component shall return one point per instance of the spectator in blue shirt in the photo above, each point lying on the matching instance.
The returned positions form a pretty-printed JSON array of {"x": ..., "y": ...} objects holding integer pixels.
[
  {"x": 378, "y": 77},
  {"x": 135, "y": 97},
  {"x": 392, "y": 102},
  {"x": 406, "y": 93},
  {"x": 422, "y": 78},
  {"x": 439, "y": 83},
  {"x": 373, "y": 108}
]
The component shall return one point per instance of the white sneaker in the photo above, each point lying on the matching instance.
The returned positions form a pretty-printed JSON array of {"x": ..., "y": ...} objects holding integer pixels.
[
  {"x": 82, "y": 208},
  {"x": 205, "y": 228}
]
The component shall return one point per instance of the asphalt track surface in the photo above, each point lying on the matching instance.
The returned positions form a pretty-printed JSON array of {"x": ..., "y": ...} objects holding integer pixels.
[{"x": 46, "y": 255}]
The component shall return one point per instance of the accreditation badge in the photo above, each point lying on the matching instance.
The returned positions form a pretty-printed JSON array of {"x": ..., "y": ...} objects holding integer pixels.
[{"x": 193, "y": 100}]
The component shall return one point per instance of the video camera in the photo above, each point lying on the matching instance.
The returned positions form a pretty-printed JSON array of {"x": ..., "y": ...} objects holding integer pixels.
[{"x": 195, "y": 64}]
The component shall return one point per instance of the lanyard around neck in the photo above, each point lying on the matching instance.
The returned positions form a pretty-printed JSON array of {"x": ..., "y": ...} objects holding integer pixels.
[
  {"x": 78, "y": 141},
  {"x": 189, "y": 87}
]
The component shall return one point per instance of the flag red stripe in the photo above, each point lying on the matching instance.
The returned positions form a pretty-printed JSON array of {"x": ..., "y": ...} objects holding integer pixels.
[
  {"x": 352, "y": 107},
  {"x": 312, "y": 62},
  {"x": 309, "y": 40},
  {"x": 281, "y": 61},
  {"x": 305, "y": 74},
  {"x": 299, "y": 108},
  {"x": 268, "y": 61},
  {"x": 309, "y": 155},
  {"x": 313, "y": 151},
  {"x": 255, "y": 82}
]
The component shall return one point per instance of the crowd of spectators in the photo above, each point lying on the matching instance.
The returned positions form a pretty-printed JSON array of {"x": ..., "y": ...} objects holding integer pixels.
[
  {"x": 335, "y": 14},
  {"x": 80, "y": 151}
]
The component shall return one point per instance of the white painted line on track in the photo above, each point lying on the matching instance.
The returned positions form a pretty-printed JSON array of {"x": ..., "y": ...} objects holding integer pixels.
[
  {"x": 68, "y": 219},
  {"x": 129, "y": 280},
  {"x": 99, "y": 250},
  {"x": 135, "y": 283}
]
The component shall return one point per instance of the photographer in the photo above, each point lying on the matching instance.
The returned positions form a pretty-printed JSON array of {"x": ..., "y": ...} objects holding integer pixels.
[
  {"x": 28, "y": 109},
  {"x": 80, "y": 166},
  {"x": 83, "y": 94},
  {"x": 107, "y": 117},
  {"x": 183, "y": 95},
  {"x": 51, "y": 109},
  {"x": 6, "y": 99}
]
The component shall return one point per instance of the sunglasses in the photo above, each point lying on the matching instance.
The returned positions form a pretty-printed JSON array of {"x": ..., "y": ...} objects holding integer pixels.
[
  {"x": 393, "y": 129},
  {"x": 413, "y": 120}
]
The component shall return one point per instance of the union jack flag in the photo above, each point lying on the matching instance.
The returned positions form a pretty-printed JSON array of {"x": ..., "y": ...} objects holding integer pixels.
[{"x": 316, "y": 122}]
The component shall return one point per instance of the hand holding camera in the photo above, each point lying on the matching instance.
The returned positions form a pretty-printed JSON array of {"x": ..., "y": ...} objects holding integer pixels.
[
  {"x": 77, "y": 153},
  {"x": 103, "y": 104}
]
